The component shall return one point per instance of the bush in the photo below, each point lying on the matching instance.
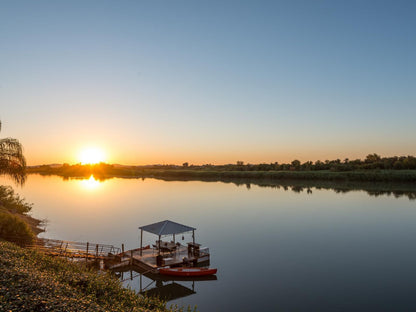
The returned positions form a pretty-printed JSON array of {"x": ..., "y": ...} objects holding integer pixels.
[
  {"x": 14, "y": 229},
  {"x": 12, "y": 202}
]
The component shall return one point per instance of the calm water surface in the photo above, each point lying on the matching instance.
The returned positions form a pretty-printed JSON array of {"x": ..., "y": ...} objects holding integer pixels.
[{"x": 275, "y": 249}]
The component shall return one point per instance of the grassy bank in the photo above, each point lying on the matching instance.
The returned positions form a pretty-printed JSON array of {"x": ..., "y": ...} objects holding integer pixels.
[
  {"x": 105, "y": 171},
  {"x": 31, "y": 281}
]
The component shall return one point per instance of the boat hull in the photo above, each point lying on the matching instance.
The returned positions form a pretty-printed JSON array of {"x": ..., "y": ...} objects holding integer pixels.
[{"x": 187, "y": 271}]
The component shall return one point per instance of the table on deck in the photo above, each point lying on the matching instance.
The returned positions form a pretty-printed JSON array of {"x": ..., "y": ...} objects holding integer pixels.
[{"x": 166, "y": 246}]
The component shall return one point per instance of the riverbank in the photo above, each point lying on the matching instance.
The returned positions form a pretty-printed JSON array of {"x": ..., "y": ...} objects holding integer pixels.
[
  {"x": 32, "y": 281},
  {"x": 324, "y": 175},
  {"x": 105, "y": 171}
]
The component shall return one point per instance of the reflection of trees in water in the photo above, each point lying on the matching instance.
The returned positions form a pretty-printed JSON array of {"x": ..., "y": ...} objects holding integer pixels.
[
  {"x": 97, "y": 178},
  {"x": 373, "y": 189}
]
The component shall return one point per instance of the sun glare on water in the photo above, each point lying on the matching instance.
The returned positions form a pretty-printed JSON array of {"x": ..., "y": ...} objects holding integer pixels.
[
  {"x": 91, "y": 156},
  {"x": 90, "y": 184}
]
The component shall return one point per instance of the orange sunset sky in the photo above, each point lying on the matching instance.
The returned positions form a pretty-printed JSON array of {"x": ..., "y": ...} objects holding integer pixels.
[{"x": 207, "y": 82}]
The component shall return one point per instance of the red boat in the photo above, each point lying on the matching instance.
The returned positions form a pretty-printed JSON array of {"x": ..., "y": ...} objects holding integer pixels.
[{"x": 187, "y": 271}]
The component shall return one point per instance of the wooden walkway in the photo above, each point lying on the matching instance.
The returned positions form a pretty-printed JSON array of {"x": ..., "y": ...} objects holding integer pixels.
[{"x": 71, "y": 249}]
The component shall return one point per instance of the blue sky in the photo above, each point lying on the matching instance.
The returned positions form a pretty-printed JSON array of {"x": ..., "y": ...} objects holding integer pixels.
[{"x": 208, "y": 82}]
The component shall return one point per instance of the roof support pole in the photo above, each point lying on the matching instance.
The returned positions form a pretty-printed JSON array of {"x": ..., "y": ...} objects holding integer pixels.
[
  {"x": 193, "y": 236},
  {"x": 174, "y": 238},
  {"x": 159, "y": 243},
  {"x": 141, "y": 243}
]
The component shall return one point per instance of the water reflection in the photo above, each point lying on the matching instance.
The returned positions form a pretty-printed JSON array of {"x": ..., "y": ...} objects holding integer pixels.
[
  {"x": 167, "y": 288},
  {"x": 371, "y": 188},
  {"x": 90, "y": 184}
]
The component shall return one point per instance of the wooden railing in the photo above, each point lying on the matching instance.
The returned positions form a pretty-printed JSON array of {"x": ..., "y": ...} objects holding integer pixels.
[{"x": 75, "y": 249}]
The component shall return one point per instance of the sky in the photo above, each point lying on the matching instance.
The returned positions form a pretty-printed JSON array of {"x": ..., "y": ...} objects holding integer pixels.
[{"x": 167, "y": 82}]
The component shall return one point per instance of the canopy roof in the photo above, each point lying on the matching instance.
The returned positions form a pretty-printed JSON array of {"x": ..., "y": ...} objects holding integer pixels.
[{"x": 166, "y": 227}]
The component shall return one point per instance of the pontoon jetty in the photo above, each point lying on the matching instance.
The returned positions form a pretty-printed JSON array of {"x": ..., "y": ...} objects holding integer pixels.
[{"x": 166, "y": 251}]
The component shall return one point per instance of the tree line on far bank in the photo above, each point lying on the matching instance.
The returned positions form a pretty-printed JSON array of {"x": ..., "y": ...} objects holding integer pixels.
[{"x": 371, "y": 162}]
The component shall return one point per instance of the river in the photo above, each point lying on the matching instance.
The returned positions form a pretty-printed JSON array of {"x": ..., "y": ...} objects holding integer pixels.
[{"x": 276, "y": 248}]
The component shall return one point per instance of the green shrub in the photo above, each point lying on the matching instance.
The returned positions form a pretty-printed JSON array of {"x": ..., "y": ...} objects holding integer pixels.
[
  {"x": 12, "y": 202},
  {"x": 14, "y": 229}
]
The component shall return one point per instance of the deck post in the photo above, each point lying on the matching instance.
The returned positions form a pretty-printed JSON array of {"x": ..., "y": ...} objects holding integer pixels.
[
  {"x": 86, "y": 255},
  {"x": 159, "y": 244},
  {"x": 193, "y": 236},
  {"x": 122, "y": 248},
  {"x": 96, "y": 251},
  {"x": 141, "y": 242}
]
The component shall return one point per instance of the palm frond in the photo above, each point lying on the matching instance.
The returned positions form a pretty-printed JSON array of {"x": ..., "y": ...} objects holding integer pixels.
[{"x": 12, "y": 160}]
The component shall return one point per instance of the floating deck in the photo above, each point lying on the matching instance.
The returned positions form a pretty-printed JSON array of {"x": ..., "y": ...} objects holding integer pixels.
[{"x": 146, "y": 259}]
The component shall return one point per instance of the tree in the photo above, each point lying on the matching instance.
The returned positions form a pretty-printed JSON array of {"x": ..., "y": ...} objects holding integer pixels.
[
  {"x": 372, "y": 158},
  {"x": 307, "y": 165},
  {"x": 296, "y": 164},
  {"x": 12, "y": 161}
]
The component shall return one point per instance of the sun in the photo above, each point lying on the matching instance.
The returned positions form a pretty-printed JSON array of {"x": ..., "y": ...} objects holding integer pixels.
[{"x": 91, "y": 155}]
